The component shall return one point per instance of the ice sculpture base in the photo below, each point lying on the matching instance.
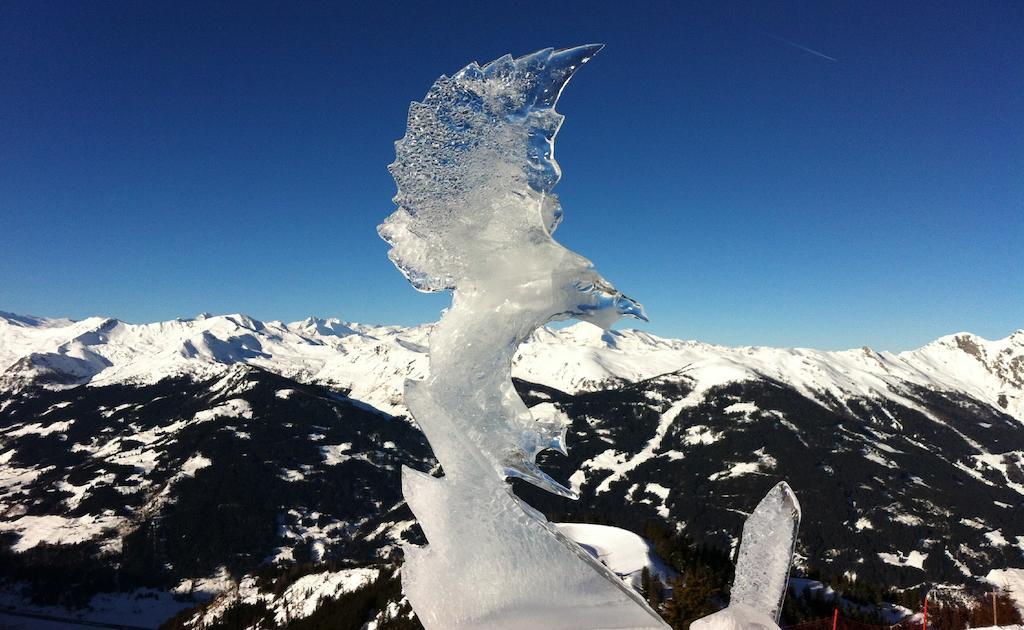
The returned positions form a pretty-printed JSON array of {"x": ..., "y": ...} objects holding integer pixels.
[
  {"x": 494, "y": 562},
  {"x": 736, "y": 617}
]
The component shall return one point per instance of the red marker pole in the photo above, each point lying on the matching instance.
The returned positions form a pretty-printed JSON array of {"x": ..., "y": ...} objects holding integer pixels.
[
  {"x": 924, "y": 623},
  {"x": 835, "y": 619}
]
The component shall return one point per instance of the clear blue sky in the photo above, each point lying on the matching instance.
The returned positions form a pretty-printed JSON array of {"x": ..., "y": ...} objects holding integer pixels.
[{"x": 784, "y": 173}]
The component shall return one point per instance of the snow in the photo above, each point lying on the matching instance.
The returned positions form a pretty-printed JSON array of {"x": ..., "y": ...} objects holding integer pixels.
[
  {"x": 291, "y": 475},
  {"x": 142, "y": 458},
  {"x": 193, "y": 464},
  {"x": 304, "y": 525},
  {"x": 658, "y": 489},
  {"x": 334, "y": 454},
  {"x": 700, "y": 434},
  {"x": 620, "y": 465},
  {"x": 764, "y": 463},
  {"x": 741, "y": 407},
  {"x": 996, "y": 538},
  {"x": 53, "y": 529},
  {"x": 800, "y": 585},
  {"x": 743, "y": 468},
  {"x": 998, "y": 462},
  {"x": 735, "y": 617},
  {"x": 906, "y": 519},
  {"x": 15, "y": 477},
  {"x": 873, "y": 456},
  {"x": 622, "y": 551},
  {"x": 374, "y": 361},
  {"x": 108, "y": 413},
  {"x": 234, "y": 408},
  {"x": 304, "y": 596},
  {"x": 39, "y": 429},
  {"x": 146, "y": 608},
  {"x": 391, "y": 611},
  {"x": 1011, "y": 580},
  {"x": 79, "y": 492},
  {"x": 913, "y": 559},
  {"x": 218, "y": 582}
]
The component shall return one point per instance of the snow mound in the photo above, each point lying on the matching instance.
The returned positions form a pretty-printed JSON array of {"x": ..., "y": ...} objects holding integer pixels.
[{"x": 622, "y": 551}]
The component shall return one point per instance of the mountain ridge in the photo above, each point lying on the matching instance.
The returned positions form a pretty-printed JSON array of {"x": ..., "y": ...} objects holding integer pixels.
[
  {"x": 371, "y": 363},
  {"x": 120, "y": 445}
]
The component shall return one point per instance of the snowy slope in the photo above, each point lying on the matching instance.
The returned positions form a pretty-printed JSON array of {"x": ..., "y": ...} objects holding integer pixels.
[
  {"x": 127, "y": 440},
  {"x": 372, "y": 362}
]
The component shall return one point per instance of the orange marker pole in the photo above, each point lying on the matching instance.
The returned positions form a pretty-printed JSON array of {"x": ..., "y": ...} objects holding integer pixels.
[{"x": 924, "y": 623}]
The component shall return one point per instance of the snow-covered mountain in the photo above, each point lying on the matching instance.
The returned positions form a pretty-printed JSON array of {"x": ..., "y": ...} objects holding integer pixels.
[
  {"x": 133, "y": 455},
  {"x": 371, "y": 363}
]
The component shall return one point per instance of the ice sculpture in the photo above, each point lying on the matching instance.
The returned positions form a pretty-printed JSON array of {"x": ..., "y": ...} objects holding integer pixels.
[
  {"x": 762, "y": 568},
  {"x": 475, "y": 172}
]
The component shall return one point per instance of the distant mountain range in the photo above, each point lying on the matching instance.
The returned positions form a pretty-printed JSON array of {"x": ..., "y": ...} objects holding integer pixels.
[
  {"x": 156, "y": 454},
  {"x": 372, "y": 362}
]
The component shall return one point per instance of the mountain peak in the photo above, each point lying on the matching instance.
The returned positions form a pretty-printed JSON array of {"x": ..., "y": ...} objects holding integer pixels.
[
  {"x": 323, "y": 327},
  {"x": 33, "y": 321}
]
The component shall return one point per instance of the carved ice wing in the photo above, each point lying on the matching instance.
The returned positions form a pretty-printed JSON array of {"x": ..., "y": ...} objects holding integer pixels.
[
  {"x": 477, "y": 164},
  {"x": 766, "y": 553}
]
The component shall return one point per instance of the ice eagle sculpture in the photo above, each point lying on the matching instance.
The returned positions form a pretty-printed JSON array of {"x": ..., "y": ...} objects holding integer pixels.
[{"x": 476, "y": 213}]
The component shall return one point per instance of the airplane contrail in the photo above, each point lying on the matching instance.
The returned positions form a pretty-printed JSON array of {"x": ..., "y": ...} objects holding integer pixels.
[{"x": 803, "y": 48}]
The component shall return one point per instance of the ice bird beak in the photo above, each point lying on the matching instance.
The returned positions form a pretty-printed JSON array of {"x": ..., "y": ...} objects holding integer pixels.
[
  {"x": 559, "y": 68},
  {"x": 629, "y": 307}
]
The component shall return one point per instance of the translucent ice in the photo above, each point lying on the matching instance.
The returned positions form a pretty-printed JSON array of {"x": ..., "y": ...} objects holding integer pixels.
[
  {"x": 766, "y": 552},
  {"x": 476, "y": 216},
  {"x": 736, "y": 617},
  {"x": 762, "y": 568}
]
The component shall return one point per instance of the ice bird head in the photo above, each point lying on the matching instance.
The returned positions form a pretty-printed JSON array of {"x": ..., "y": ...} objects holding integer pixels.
[{"x": 475, "y": 174}]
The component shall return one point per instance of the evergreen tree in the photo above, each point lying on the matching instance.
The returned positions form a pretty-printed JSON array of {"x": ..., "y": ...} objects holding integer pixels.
[
  {"x": 693, "y": 596},
  {"x": 987, "y": 612}
]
